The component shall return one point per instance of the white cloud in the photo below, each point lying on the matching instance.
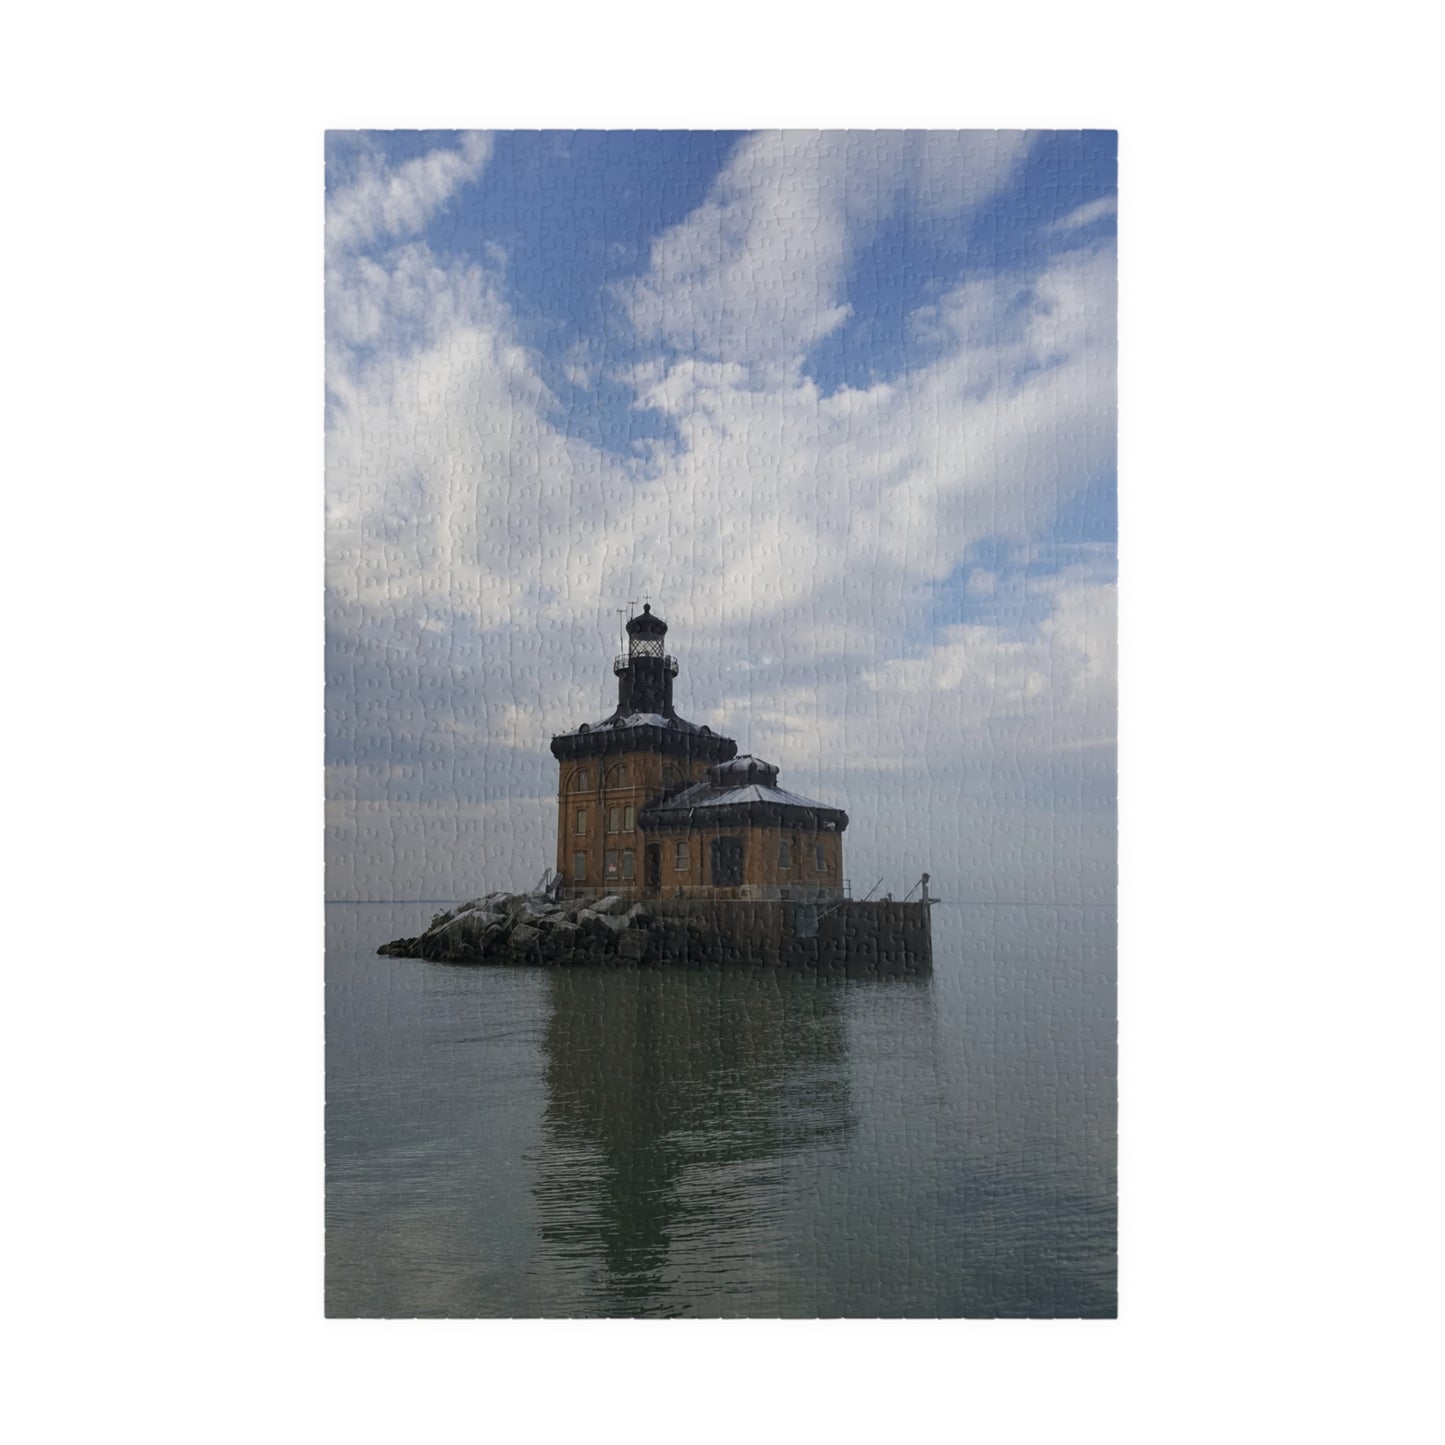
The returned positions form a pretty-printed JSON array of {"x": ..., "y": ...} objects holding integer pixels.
[
  {"x": 789, "y": 493},
  {"x": 1087, "y": 214},
  {"x": 757, "y": 271},
  {"x": 381, "y": 204}
]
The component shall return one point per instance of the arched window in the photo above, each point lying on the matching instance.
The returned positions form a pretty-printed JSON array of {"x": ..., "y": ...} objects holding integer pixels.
[
  {"x": 617, "y": 778},
  {"x": 581, "y": 780},
  {"x": 671, "y": 779}
]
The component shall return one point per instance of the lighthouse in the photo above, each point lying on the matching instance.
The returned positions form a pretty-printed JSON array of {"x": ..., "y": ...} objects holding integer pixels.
[{"x": 652, "y": 805}]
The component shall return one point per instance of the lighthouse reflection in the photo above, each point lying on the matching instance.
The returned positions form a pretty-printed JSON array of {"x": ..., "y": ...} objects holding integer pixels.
[{"x": 683, "y": 1107}]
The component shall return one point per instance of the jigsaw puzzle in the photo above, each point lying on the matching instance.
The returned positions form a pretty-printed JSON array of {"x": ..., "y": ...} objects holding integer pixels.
[{"x": 721, "y": 727}]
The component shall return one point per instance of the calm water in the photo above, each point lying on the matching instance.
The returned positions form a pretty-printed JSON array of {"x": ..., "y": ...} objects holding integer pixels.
[{"x": 524, "y": 1142}]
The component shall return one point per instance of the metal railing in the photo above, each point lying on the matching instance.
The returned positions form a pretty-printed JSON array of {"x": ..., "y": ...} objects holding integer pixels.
[
  {"x": 636, "y": 889},
  {"x": 624, "y": 660}
]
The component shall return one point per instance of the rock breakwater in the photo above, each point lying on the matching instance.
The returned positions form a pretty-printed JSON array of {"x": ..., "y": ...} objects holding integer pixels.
[{"x": 528, "y": 928}]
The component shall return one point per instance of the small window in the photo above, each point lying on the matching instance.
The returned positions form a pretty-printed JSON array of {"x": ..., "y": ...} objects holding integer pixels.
[
  {"x": 820, "y": 858},
  {"x": 613, "y": 815},
  {"x": 629, "y": 819},
  {"x": 611, "y": 864},
  {"x": 785, "y": 853},
  {"x": 671, "y": 779},
  {"x": 581, "y": 822},
  {"x": 679, "y": 860},
  {"x": 579, "y": 867},
  {"x": 617, "y": 778},
  {"x": 582, "y": 781},
  {"x": 629, "y": 864}
]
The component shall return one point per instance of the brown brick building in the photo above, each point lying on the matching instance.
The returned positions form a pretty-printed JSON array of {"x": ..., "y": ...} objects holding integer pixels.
[{"x": 651, "y": 804}]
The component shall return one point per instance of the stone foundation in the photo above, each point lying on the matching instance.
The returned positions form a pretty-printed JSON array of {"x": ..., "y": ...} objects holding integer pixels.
[{"x": 855, "y": 937}]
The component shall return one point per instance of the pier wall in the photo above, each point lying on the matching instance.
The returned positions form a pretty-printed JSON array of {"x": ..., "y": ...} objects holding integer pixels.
[{"x": 854, "y": 936}]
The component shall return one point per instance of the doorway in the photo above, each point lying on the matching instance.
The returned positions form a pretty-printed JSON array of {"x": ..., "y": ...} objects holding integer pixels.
[
  {"x": 727, "y": 862},
  {"x": 652, "y": 867}
]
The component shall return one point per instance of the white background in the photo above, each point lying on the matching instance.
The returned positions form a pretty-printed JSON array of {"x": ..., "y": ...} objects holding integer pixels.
[{"x": 1281, "y": 800}]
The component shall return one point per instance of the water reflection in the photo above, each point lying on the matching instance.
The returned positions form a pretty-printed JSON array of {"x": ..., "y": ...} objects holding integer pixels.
[{"x": 675, "y": 1099}]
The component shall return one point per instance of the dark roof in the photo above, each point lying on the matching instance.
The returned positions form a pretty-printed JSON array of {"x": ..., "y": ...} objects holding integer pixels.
[
  {"x": 646, "y": 731},
  {"x": 742, "y": 790},
  {"x": 744, "y": 768},
  {"x": 641, "y": 720},
  {"x": 646, "y": 624}
]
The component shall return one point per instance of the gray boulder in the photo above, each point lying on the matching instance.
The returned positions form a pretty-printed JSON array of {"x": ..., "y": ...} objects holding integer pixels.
[
  {"x": 400, "y": 948},
  {"x": 493, "y": 939},
  {"x": 611, "y": 904},
  {"x": 472, "y": 905},
  {"x": 461, "y": 936},
  {"x": 600, "y": 925},
  {"x": 482, "y": 918},
  {"x": 524, "y": 936}
]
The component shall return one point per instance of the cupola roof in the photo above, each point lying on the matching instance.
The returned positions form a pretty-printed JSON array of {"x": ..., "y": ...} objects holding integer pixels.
[
  {"x": 743, "y": 769},
  {"x": 646, "y": 623}
]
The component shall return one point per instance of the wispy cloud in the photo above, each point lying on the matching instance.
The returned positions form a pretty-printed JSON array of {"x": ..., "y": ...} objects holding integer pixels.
[
  {"x": 1087, "y": 214},
  {"x": 383, "y": 203}
]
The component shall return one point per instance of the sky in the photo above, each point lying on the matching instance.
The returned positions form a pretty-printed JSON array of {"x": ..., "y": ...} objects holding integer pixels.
[{"x": 840, "y": 404}]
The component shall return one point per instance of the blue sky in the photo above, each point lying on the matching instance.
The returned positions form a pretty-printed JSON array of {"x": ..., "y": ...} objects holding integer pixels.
[
  {"x": 574, "y": 212},
  {"x": 842, "y": 403}
]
